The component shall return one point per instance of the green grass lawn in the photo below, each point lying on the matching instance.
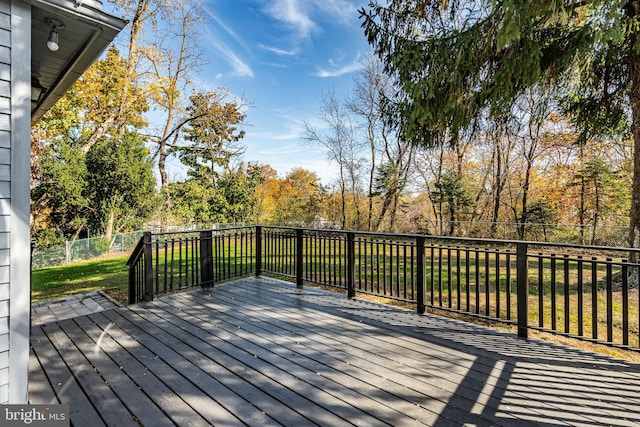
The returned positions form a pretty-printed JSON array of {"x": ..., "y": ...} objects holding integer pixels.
[{"x": 110, "y": 275}]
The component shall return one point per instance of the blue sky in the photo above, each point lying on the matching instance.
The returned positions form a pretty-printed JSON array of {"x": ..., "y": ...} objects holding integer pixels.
[{"x": 280, "y": 55}]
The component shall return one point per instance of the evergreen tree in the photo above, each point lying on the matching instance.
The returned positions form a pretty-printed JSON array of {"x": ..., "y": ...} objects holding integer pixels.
[{"x": 455, "y": 60}]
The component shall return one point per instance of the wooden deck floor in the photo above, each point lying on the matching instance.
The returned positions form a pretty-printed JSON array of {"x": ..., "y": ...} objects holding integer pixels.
[{"x": 261, "y": 352}]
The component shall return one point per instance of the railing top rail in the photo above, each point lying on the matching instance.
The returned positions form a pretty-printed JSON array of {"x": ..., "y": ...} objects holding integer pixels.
[
  {"x": 465, "y": 239},
  {"x": 137, "y": 252},
  {"x": 200, "y": 230}
]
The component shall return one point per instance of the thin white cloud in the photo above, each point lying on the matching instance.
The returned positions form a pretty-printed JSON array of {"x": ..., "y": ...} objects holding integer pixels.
[
  {"x": 223, "y": 26},
  {"x": 240, "y": 68},
  {"x": 292, "y": 14},
  {"x": 279, "y": 51},
  {"x": 336, "y": 70},
  {"x": 217, "y": 43},
  {"x": 337, "y": 10},
  {"x": 301, "y": 15},
  {"x": 272, "y": 136},
  {"x": 282, "y": 151}
]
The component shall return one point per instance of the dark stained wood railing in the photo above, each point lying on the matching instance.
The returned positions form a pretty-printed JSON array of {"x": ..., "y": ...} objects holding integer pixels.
[{"x": 586, "y": 292}]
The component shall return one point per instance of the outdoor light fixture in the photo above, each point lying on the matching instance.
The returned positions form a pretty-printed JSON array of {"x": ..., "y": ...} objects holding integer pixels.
[{"x": 52, "y": 42}]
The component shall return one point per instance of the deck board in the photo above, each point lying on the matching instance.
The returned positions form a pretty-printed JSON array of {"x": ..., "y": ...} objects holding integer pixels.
[
  {"x": 261, "y": 352},
  {"x": 61, "y": 380}
]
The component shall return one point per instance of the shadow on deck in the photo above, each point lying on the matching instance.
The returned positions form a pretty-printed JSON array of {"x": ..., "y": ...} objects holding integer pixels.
[{"x": 259, "y": 351}]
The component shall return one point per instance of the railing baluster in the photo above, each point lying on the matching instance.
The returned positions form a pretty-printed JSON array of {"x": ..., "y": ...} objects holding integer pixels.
[
  {"x": 440, "y": 275},
  {"x": 467, "y": 276},
  {"x": 566, "y": 294},
  {"x": 522, "y": 278},
  {"x": 164, "y": 278},
  {"x": 609, "y": 281},
  {"x": 370, "y": 260},
  {"x": 554, "y": 314},
  {"x": 404, "y": 271},
  {"x": 458, "y": 278},
  {"x": 148, "y": 267},
  {"x": 625, "y": 303},
  {"x": 594, "y": 298},
  {"x": 541, "y": 287},
  {"x": 351, "y": 259},
  {"x": 206, "y": 258},
  {"x": 156, "y": 282},
  {"x": 477, "y": 252},
  {"x": 394, "y": 272},
  {"x": 299, "y": 257},
  {"x": 172, "y": 265},
  {"x": 580, "y": 297},
  {"x": 508, "y": 283},
  {"x": 179, "y": 263},
  {"x": 497, "y": 285},
  {"x": 384, "y": 267},
  {"x": 449, "y": 289},
  {"x": 378, "y": 266},
  {"x": 358, "y": 278},
  {"x": 235, "y": 253},
  {"x": 323, "y": 261},
  {"x": 420, "y": 274},
  {"x": 315, "y": 259},
  {"x": 487, "y": 283},
  {"x": 258, "y": 251},
  {"x": 337, "y": 263}
]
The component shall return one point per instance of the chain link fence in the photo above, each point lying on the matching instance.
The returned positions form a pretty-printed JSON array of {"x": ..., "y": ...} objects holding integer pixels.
[
  {"x": 84, "y": 249},
  {"x": 121, "y": 243}
]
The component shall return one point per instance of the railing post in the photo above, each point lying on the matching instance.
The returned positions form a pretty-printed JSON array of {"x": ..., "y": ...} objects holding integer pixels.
[
  {"x": 299, "y": 257},
  {"x": 132, "y": 284},
  {"x": 351, "y": 264},
  {"x": 148, "y": 267},
  {"x": 420, "y": 273},
  {"x": 522, "y": 270},
  {"x": 258, "y": 250},
  {"x": 206, "y": 258}
]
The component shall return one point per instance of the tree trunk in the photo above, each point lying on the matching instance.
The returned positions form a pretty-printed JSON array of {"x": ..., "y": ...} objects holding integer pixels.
[
  {"x": 497, "y": 190},
  {"x": 596, "y": 214},
  {"x": 583, "y": 189},
  {"x": 343, "y": 199},
  {"x": 634, "y": 214},
  {"x": 633, "y": 10},
  {"x": 109, "y": 229}
]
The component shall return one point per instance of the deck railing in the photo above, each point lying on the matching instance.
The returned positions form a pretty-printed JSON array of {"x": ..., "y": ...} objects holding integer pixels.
[{"x": 586, "y": 292}]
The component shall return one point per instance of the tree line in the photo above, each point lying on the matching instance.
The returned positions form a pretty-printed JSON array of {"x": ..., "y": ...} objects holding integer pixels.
[{"x": 422, "y": 144}]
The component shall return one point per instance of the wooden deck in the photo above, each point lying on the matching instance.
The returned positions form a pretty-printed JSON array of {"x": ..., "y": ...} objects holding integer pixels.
[{"x": 261, "y": 352}]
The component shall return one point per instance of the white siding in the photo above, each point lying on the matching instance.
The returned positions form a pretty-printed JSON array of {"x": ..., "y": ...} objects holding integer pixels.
[
  {"x": 5, "y": 180},
  {"x": 15, "y": 255}
]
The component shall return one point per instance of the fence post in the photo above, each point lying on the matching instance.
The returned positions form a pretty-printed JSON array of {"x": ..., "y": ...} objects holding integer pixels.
[
  {"x": 148, "y": 267},
  {"x": 206, "y": 258},
  {"x": 258, "y": 250},
  {"x": 420, "y": 273},
  {"x": 351, "y": 264},
  {"x": 522, "y": 270},
  {"x": 299, "y": 257},
  {"x": 67, "y": 252}
]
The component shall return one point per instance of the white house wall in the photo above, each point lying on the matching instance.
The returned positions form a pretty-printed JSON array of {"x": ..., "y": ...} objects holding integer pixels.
[{"x": 15, "y": 283}]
